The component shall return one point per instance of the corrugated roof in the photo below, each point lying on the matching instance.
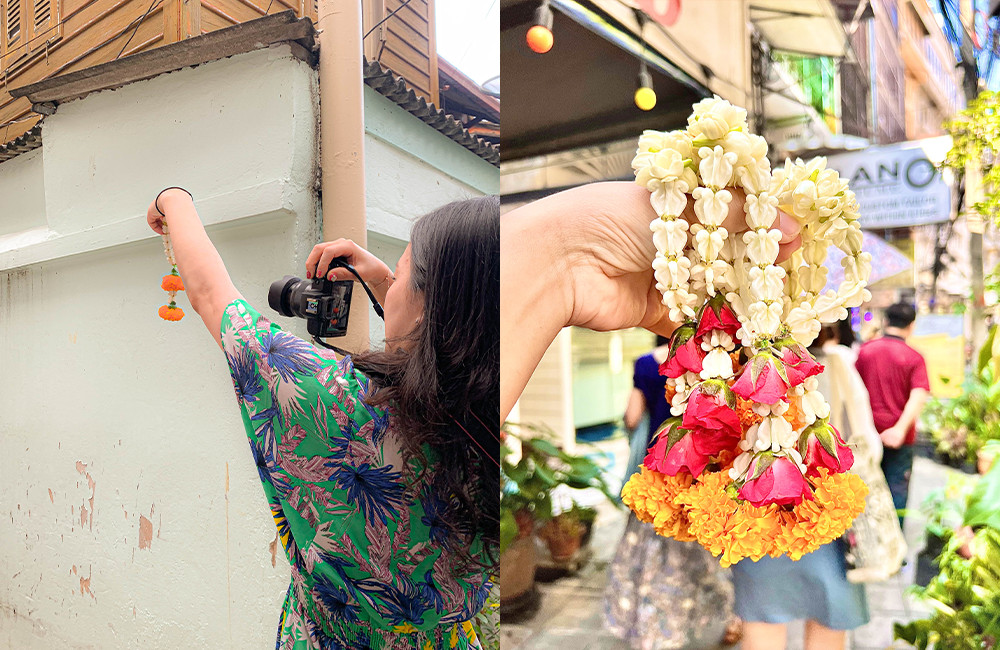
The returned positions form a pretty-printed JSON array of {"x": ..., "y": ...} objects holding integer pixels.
[
  {"x": 27, "y": 141},
  {"x": 396, "y": 90}
]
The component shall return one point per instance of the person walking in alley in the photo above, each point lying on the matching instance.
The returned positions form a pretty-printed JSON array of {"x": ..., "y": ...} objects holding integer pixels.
[
  {"x": 896, "y": 377},
  {"x": 663, "y": 594},
  {"x": 381, "y": 473},
  {"x": 773, "y": 592}
]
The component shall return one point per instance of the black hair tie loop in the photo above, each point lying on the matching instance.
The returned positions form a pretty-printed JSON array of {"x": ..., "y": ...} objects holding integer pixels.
[{"x": 156, "y": 201}]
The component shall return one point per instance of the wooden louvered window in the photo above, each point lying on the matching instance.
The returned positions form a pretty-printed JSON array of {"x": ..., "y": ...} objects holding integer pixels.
[
  {"x": 13, "y": 27},
  {"x": 42, "y": 15},
  {"x": 28, "y": 26}
]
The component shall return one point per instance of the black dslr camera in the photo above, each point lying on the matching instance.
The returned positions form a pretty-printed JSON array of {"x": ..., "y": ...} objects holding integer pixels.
[{"x": 324, "y": 304}]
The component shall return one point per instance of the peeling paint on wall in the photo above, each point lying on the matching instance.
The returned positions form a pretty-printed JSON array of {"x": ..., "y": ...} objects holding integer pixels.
[
  {"x": 145, "y": 532},
  {"x": 81, "y": 468},
  {"x": 85, "y": 584}
]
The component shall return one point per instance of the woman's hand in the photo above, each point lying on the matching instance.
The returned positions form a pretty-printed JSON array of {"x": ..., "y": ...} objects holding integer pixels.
[
  {"x": 165, "y": 199},
  {"x": 608, "y": 250},
  {"x": 206, "y": 281},
  {"x": 584, "y": 257},
  {"x": 374, "y": 271}
]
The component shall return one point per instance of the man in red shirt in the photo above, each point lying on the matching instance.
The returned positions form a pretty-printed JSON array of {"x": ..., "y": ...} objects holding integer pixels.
[{"x": 896, "y": 377}]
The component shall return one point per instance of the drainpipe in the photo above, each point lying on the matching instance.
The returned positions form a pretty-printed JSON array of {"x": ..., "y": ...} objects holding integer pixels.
[{"x": 342, "y": 137}]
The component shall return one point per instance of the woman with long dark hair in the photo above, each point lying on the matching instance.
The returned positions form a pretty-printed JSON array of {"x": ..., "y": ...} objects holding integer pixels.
[{"x": 382, "y": 473}]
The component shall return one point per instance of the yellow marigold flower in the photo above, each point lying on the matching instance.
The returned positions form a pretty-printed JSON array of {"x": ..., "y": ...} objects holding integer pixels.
[
  {"x": 729, "y": 529},
  {"x": 651, "y": 495},
  {"x": 840, "y": 498}
]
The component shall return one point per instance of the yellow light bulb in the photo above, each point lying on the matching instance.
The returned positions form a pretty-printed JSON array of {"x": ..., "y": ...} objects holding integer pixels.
[{"x": 645, "y": 98}]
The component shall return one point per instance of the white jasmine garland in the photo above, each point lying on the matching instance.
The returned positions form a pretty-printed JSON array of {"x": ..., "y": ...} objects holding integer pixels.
[
  {"x": 696, "y": 261},
  {"x": 717, "y": 364}
]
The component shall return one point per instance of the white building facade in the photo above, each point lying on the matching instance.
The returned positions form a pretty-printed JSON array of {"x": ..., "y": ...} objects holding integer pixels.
[{"x": 132, "y": 514}]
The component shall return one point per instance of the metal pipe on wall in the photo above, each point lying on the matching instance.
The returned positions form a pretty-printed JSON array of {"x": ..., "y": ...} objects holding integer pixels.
[{"x": 342, "y": 138}]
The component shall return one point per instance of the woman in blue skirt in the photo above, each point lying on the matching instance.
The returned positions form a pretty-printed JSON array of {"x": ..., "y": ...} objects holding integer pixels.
[{"x": 772, "y": 592}]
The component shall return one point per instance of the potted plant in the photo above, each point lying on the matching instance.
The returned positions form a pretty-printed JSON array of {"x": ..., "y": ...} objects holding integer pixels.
[
  {"x": 526, "y": 500},
  {"x": 943, "y": 511},
  {"x": 961, "y": 426},
  {"x": 965, "y": 595},
  {"x": 987, "y": 456},
  {"x": 564, "y": 534}
]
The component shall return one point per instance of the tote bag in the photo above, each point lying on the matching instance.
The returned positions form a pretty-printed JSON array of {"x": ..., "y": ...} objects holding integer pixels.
[{"x": 876, "y": 547}]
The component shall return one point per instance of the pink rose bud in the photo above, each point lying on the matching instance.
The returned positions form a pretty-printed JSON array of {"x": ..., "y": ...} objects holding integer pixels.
[
  {"x": 673, "y": 451},
  {"x": 685, "y": 353},
  {"x": 822, "y": 446},
  {"x": 763, "y": 380},
  {"x": 711, "y": 417},
  {"x": 717, "y": 315},
  {"x": 774, "y": 479},
  {"x": 799, "y": 363}
]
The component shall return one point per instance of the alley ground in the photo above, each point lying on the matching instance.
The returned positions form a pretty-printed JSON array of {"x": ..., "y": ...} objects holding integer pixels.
[{"x": 570, "y": 611}]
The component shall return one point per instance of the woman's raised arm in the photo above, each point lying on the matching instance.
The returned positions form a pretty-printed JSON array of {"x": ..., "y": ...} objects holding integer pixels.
[{"x": 206, "y": 279}]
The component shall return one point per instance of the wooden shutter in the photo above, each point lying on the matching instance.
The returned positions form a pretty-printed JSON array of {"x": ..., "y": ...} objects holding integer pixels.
[
  {"x": 42, "y": 16},
  {"x": 13, "y": 26}
]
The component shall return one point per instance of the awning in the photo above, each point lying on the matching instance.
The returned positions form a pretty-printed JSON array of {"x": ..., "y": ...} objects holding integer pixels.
[{"x": 802, "y": 26}]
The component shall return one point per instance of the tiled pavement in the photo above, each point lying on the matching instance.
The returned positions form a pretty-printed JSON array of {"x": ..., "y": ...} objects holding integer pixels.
[{"x": 570, "y": 613}]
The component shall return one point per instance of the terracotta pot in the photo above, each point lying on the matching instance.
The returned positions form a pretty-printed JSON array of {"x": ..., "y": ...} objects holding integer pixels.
[
  {"x": 985, "y": 461},
  {"x": 517, "y": 569},
  {"x": 563, "y": 548}
]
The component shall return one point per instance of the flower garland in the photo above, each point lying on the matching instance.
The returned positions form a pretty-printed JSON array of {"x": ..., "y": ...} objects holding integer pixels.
[
  {"x": 171, "y": 282},
  {"x": 749, "y": 464}
]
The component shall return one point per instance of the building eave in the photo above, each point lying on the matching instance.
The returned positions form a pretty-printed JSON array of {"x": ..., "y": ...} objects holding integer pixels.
[
  {"x": 396, "y": 90},
  {"x": 27, "y": 141},
  {"x": 223, "y": 43}
]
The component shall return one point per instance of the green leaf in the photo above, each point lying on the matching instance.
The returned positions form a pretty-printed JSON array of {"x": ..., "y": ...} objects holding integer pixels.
[
  {"x": 984, "y": 503},
  {"x": 544, "y": 446},
  {"x": 547, "y": 476},
  {"x": 508, "y": 529},
  {"x": 986, "y": 352}
]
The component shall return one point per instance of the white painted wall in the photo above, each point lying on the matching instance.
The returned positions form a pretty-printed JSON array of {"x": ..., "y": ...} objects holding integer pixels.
[{"x": 130, "y": 510}]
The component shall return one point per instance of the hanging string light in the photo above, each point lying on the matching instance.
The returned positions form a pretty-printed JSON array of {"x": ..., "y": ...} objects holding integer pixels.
[
  {"x": 539, "y": 36},
  {"x": 645, "y": 96}
]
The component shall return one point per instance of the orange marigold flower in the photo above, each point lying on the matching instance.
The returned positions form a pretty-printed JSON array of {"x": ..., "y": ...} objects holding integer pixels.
[
  {"x": 747, "y": 416},
  {"x": 651, "y": 497},
  {"x": 171, "y": 312},
  {"x": 172, "y": 282},
  {"x": 794, "y": 415},
  {"x": 839, "y": 499},
  {"x": 729, "y": 529}
]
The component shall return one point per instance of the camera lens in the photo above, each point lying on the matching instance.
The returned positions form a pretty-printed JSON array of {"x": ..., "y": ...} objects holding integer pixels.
[{"x": 279, "y": 295}]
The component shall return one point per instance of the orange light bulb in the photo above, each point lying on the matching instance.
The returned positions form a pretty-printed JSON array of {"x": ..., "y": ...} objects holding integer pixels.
[{"x": 540, "y": 39}]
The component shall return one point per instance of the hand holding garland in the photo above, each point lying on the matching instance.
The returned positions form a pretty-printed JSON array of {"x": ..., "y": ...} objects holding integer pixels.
[
  {"x": 206, "y": 279},
  {"x": 584, "y": 257},
  {"x": 750, "y": 465}
]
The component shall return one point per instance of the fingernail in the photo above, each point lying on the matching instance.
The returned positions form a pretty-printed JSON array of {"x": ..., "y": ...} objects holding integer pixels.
[
  {"x": 309, "y": 275},
  {"x": 789, "y": 227}
]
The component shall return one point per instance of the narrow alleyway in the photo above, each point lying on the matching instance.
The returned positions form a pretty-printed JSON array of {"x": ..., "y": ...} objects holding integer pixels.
[{"x": 570, "y": 612}]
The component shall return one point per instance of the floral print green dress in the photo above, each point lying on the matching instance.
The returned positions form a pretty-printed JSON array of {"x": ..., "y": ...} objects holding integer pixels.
[{"x": 371, "y": 558}]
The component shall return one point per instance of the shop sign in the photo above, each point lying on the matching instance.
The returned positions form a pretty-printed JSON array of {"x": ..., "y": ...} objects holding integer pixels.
[{"x": 898, "y": 185}]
